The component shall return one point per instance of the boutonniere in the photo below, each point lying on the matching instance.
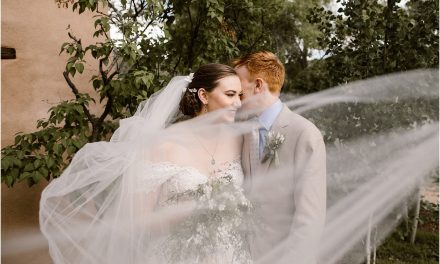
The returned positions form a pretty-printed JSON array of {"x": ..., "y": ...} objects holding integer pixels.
[{"x": 274, "y": 140}]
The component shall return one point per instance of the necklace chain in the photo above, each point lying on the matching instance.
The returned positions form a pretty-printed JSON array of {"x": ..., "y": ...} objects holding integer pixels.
[{"x": 215, "y": 149}]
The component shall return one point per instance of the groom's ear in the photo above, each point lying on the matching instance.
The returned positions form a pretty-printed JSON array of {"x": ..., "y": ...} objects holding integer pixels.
[
  {"x": 203, "y": 95},
  {"x": 259, "y": 85}
]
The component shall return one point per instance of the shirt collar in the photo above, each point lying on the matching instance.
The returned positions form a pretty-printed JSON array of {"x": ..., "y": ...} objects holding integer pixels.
[{"x": 267, "y": 118}]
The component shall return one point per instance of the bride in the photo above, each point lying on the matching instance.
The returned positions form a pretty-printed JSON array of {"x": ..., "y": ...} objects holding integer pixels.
[{"x": 161, "y": 191}]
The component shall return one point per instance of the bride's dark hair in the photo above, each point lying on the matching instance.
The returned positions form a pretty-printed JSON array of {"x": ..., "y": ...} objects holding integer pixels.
[{"x": 206, "y": 77}]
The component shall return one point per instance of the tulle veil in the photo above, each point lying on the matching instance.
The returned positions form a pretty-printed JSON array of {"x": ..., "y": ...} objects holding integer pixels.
[{"x": 381, "y": 139}]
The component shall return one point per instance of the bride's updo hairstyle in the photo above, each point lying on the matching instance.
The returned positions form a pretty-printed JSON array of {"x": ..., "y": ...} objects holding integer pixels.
[{"x": 206, "y": 77}]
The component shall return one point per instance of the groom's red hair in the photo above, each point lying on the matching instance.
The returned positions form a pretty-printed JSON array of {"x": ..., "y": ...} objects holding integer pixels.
[{"x": 265, "y": 65}]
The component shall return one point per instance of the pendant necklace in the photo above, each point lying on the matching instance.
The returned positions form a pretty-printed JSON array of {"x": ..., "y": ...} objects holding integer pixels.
[{"x": 209, "y": 153}]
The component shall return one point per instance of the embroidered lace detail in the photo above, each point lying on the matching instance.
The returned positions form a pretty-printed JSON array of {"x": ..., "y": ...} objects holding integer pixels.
[
  {"x": 230, "y": 169},
  {"x": 213, "y": 233},
  {"x": 184, "y": 178}
]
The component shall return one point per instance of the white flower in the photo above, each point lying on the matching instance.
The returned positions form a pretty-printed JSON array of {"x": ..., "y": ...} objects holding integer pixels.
[
  {"x": 189, "y": 77},
  {"x": 274, "y": 140},
  {"x": 193, "y": 90}
]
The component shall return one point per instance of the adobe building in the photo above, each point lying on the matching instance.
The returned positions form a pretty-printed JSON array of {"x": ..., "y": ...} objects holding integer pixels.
[{"x": 32, "y": 33}]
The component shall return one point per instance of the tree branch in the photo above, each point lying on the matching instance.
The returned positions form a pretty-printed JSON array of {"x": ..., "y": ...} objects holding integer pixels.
[
  {"x": 145, "y": 28},
  {"x": 101, "y": 68},
  {"x": 74, "y": 38},
  {"x": 137, "y": 11},
  {"x": 119, "y": 16},
  {"x": 177, "y": 63},
  {"x": 97, "y": 127},
  {"x": 189, "y": 13},
  {"x": 113, "y": 63},
  {"x": 77, "y": 96},
  {"x": 107, "y": 109},
  {"x": 110, "y": 77},
  {"x": 103, "y": 14},
  {"x": 132, "y": 3}
]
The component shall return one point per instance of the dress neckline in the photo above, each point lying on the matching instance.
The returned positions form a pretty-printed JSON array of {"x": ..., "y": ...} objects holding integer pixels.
[{"x": 218, "y": 168}]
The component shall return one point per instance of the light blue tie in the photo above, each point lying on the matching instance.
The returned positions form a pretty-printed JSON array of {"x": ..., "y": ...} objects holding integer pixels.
[
  {"x": 254, "y": 151},
  {"x": 262, "y": 143}
]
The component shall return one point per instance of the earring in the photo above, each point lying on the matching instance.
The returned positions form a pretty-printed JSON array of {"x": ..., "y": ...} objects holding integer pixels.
[{"x": 205, "y": 108}]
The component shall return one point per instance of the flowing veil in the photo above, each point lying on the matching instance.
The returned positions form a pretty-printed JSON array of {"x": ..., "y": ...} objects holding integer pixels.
[
  {"x": 156, "y": 113},
  {"x": 382, "y": 143},
  {"x": 97, "y": 206}
]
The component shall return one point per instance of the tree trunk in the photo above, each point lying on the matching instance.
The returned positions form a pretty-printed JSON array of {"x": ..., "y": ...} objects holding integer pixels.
[
  {"x": 374, "y": 245},
  {"x": 415, "y": 221},
  {"x": 304, "y": 54},
  {"x": 368, "y": 243},
  {"x": 388, "y": 32},
  {"x": 406, "y": 219}
]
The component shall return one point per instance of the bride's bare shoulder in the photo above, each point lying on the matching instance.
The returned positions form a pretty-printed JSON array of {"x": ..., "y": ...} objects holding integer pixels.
[{"x": 168, "y": 151}]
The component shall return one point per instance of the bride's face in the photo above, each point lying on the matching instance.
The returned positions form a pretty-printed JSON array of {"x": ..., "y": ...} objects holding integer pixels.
[{"x": 226, "y": 95}]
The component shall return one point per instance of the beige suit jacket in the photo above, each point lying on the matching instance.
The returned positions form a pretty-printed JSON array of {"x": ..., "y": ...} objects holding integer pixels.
[{"x": 291, "y": 199}]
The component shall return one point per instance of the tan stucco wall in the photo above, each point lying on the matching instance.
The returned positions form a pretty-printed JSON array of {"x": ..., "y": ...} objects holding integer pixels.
[{"x": 30, "y": 85}]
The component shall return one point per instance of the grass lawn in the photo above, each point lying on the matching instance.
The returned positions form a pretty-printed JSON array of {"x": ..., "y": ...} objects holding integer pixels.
[{"x": 395, "y": 250}]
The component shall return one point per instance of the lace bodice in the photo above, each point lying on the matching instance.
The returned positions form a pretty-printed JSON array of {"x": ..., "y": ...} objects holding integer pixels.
[
  {"x": 211, "y": 233},
  {"x": 184, "y": 178}
]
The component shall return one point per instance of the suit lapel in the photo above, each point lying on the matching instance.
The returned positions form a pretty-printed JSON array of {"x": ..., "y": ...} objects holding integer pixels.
[{"x": 279, "y": 126}]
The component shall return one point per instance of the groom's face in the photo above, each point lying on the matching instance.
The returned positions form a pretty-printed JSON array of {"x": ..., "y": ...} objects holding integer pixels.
[
  {"x": 247, "y": 84},
  {"x": 250, "y": 96}
]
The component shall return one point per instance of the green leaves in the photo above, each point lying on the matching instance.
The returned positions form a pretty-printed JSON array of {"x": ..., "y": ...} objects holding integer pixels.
[
  {"x": 34, "y": 158},
  {"x": 97, "y": 84},
  {"x": 79, "y": 67},
  {"x": 143, "y": 77},
  {"x": 69, "y": 113},
  {"x": 75, "y": 62},
  {"x": 215, "y": 10},
  {"x": 83, "y": 5},
  {"x": 50, "y": 162},
  {"x": 45, "y": 153},
  {"x": 369, "y": 38},
  {"x": 103, "y": 26}
]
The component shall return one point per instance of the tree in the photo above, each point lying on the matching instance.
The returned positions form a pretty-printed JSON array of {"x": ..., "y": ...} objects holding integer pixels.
[
  {"x": 119, "y": 85},
  {"x": 155, "y": 41},
  {"x": 369, "y": 38}
]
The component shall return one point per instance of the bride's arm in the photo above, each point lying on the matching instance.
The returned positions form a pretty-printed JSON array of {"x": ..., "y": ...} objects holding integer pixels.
[{"x": 163, "y": 162}]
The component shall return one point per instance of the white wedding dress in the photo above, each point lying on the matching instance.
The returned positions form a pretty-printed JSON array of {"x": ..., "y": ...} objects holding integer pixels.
[{"x": 212, "y": 234}]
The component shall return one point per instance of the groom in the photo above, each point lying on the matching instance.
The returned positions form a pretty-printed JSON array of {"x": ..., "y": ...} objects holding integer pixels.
[{"x": 288, "y": 182}]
